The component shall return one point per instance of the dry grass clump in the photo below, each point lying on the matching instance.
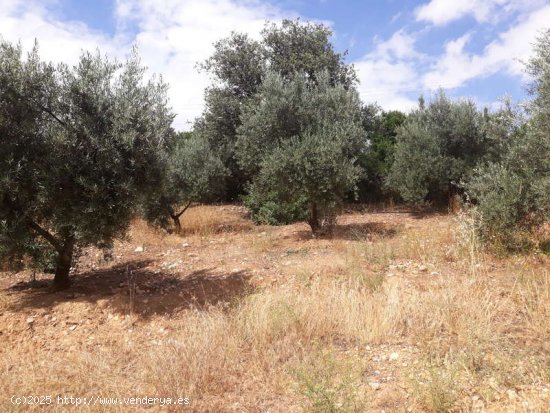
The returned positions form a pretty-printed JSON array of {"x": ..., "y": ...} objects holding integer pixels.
[
  {"x": 199, "y": 361},
  {"x": 207, "y": 220},
  {"x": 146, "y": 235},
  {"x": 330, "y": 383},
  {"x": 199, "y": 220}
]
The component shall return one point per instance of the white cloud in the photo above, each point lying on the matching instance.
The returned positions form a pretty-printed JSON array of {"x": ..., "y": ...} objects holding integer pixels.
[
  {"x": 504, "y": 54},
  {"x": 441, "y": 12},
  {"x": 389, "y": 72},
  {"x": 174, "y": 35},
  {"x": 395, "y": 71},
  {"x": 400, "y": 46},
  {"x": 59, "y": 41}
]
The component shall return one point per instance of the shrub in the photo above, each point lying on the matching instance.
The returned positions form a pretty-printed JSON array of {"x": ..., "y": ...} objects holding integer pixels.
[{"x": 380, "y": 132}]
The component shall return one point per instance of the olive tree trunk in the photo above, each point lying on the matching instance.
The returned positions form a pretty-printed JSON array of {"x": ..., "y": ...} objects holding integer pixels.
[
  {"x": 177, "y": 223},
  {"x": 176, "y": 217},
  {"x": 313, "y": 219},
  {"x": 61, "y": 279}
]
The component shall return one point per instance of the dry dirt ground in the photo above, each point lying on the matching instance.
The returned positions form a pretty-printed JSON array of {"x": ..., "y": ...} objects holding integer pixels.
[{"x": 395, "y": 312}]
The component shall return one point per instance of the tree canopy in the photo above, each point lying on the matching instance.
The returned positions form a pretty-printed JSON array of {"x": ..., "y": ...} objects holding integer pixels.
[
  {"x": 82, "y": 147},
  {"x": 511, "y": 188},
  {"x": 435, "y": 148},
  {"x": 241, "y": 65},
  {"x": 295, "y": 125},
  {"x": 193, "y": 174}
]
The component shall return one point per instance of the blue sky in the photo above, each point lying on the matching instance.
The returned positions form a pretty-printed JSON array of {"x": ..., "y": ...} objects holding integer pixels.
[{"x": 401, "y": 49}]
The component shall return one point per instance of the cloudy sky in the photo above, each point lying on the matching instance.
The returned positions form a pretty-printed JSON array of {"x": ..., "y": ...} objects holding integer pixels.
[{"x": 400, "y": 48}]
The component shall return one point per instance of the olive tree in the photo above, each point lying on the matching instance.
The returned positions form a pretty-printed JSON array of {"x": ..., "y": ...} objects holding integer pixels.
[
  {"x": 511, "y": 189},
  {"x": 380, "y": 134},
  {"x": 312, "y": 173},
  {"x": 240, "y": 65},
  {"x": 436, "y": 147},
  {"x": 82, "y": 148},
  {"x": 298, "y": 125},
  {"x": 193, "y": 174}
]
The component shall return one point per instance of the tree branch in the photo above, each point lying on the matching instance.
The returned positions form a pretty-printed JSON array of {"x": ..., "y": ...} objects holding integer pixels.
[
  {"x": 184, "y": 209},
  {"x": 40, "y": 106},
  {"x": 46, "y": 235},
  {"x": 49, "y": 112}
]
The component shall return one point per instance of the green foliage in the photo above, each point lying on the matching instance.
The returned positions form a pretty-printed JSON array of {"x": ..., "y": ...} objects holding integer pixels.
[
  {"x": 238, "y": 62},
  {"x": 81, "y": 149},
  {"x": 266, "y": 207},
  {"x": 294, "y": 47},
  {"x": 437, "y": 147},
  {"x": 217, "y": 127},
  {"x": 538, "y": 68},
  {"x": 381, "y": 130},
  {"x": 286, "y": 108},
  {"x": 330, "y": 384},
  {"x": 240, "y": 65},
  {"x": 512, "y": 194},
  {"x": 298, "y": 140},
  {"x": 419, "y": 166},
  {"x": 511, "y": 190},
  {"x": 193, "y": 174}
]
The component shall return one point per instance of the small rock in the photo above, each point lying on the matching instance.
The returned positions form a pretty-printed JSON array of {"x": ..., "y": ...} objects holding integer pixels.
[
  {"x": 102, "y": 303},
  {"x": 422, "y": 268},
  {"x": 394, "y": 356},
  {"x": 185, "y": 245},
  {"x": 511, "y": 394},
  {"x": 435, "y": 273},
  {"x": 374, "y": 385},
  {"x": 72, "y": 328},
  {"x": 30, "y": 320},
  {"x": 139, "y": 249}
]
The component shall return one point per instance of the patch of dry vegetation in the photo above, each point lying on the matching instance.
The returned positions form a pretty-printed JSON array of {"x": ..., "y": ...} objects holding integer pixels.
[{"x": 418, "y": 319}]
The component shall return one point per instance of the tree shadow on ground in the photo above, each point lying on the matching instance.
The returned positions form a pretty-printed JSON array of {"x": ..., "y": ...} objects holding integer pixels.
[
  {"x": 134, "y": 287},
  {"x": 355, "y": 232}
]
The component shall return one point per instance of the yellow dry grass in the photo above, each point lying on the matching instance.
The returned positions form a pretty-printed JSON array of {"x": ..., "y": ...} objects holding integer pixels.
[{"x": 470, "y": 332}]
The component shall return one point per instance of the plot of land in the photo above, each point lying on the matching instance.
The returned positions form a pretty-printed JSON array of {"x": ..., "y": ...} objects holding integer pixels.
[{"x": 395, "y": 312}]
